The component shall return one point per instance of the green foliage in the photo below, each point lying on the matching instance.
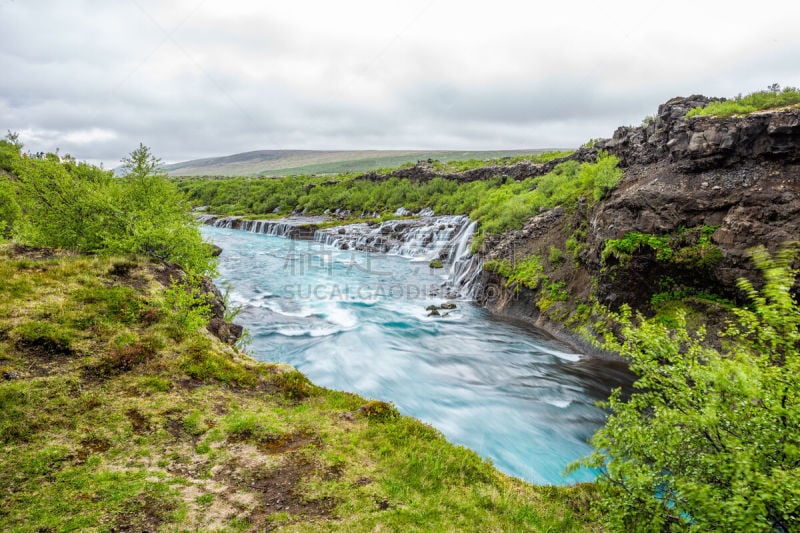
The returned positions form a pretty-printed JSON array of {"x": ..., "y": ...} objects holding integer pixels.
[
  {"x": 525, "y": 273},
  {"x": 497, "y": 204},
  {"x": 576, "y": 242},
  {"x": 81, "y": 207},
  {"x": 9, "y": 155},
  {"x": 203, "y": 363},
  {"x": 605, "y": 175},
  {"x": 501, "y": 266},
  {"x": 552, "y": 293},
  {"x": 472, "y": 164},
  {"x": 772, "y": 98},
  {"x": 690, "y": 248},
  {"x": 555, "y": 256},
  {"x": 436, "y": 263},
  {"x": 9, "y": 206},
  {"x": 624, "y": 248},
  {"x": 709, "y": 439},
  {"x": 186, "y": 307},
  {"x": 380, "y": 411},
  {"x": 140, "y": 163}
]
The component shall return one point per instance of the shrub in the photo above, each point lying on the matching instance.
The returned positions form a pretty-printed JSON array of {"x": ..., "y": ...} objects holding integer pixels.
[
  {"x": 186, "y": 307},
  {"x": 9, "y": 208},
  {"x": 527, "y": 273},
  {"x": 293, "y": 384},
  {"x": 772, "y": 98},
  {"x": 380, "y": 411},
  {"x": 81, "y": 207},
  {"x": 708, "y": 439},
  {"x": 555, "y": 256}
]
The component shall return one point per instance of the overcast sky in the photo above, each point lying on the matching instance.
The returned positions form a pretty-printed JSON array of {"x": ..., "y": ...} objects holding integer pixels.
[{"x": 202, "y": 78}]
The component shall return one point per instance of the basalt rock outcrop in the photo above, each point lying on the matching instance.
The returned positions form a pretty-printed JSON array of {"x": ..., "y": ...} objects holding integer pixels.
[
  {"x": 735, "y": 180},
  {"x": 739, "y": 175},
  {"x": 707, "y": 142}
]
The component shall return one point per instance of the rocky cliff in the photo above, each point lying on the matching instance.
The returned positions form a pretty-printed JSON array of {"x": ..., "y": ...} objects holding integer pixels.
[{"x": 697, "y": 194}]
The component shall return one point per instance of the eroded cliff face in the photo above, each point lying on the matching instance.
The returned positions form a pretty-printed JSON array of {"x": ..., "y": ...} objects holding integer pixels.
[
  {"x": 710, "y": 189},
  {"x": 706, "y": 142}
]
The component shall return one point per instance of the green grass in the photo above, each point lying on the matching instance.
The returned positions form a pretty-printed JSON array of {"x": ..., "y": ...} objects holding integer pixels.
[
  {"x": 743, "y": 105},
  {"x": 107, "y": 423}
]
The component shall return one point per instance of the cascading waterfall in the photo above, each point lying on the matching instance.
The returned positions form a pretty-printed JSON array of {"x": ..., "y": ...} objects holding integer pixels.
[
  {"x": 446, "y": 238},
  {"x": 294, "y": 228}
]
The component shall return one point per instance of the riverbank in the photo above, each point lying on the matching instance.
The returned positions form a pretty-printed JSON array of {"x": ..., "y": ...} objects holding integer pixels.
[{"x": 115, "y": 416}]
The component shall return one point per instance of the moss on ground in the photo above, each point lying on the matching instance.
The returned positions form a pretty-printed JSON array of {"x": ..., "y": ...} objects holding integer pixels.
[{"x": 114, "y": 418}]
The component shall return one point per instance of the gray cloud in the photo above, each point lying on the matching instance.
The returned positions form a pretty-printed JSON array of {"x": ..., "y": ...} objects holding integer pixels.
[{"x": 194, "y": 79}]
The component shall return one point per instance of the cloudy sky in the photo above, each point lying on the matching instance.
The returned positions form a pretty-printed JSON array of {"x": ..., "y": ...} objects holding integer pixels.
[{"x": 200, "y": 78}]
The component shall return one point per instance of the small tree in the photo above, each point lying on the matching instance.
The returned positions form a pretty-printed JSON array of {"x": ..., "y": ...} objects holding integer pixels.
[
  {"x": 13, "y": 138},
  {"x": 709, "y": 440},
  {"x": 140, "y": 163}
]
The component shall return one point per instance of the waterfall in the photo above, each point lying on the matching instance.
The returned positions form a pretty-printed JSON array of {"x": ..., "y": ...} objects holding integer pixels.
[
  {"x": 446, "y": 238},
  {"x": 294, "y": 228}
]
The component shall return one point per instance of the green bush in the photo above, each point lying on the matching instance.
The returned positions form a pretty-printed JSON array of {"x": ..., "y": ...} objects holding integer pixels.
[
  {"x": 525, "y": 273},
  {"x": 709, "y": 438},
  {"x": 186, "y": 307},
  {"x": 555, "y": 256},
  {"x": 9, "y": 208},
  {"x": 688, "y": 247},
  {"x": 757, "y": 101},
  {"x": 81, "y": 207}
]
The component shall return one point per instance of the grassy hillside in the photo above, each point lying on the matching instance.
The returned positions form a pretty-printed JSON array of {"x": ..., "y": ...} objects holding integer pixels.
[
  {"x": 117, "y": 413},
  {"x": 297, "y": 162}
]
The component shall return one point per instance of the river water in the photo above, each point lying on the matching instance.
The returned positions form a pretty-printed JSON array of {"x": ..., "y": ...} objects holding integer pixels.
[{"x": 358, "y": 322}]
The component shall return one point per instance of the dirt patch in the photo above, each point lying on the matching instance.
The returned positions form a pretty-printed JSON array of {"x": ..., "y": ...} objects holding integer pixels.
[
  {"x": 43, "y": 358},
  {"x": 174, "y": 427},
  {"x": 144, "y": 513},
  {"x": 126, "y": 273},
  {"x": 189, "y": 383},
  {"x": 277, "y": 490},
  {"x": 140, "y": 423},
  {"x": 167, "y": 273},
  {"x": 90, "y": 446},
  {"x": 33, "y": 252},
  {"x": 287, "y": 442}
]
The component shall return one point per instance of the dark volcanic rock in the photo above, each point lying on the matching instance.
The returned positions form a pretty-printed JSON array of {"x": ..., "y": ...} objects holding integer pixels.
[
  {"x": 225, "y": 331},
  {"x": 751, "y": 204},
  {"x": 737, "y": 177},
  {"x": 706, "y": 142}
]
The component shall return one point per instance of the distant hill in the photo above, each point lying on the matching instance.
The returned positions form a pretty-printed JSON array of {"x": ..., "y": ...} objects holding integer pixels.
[{"x": 289, "y": 162}]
